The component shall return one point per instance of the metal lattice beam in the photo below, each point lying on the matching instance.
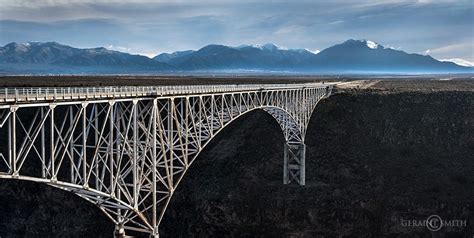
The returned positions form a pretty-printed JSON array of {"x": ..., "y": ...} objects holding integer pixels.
[{"x": 127, "y": 149}]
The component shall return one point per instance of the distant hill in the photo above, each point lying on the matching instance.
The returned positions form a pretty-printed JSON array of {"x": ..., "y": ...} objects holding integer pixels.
[
  {"x": 51, "y": 57},
  {"x": 350, "y": 57},
  {"x": 166, "y": 57}
]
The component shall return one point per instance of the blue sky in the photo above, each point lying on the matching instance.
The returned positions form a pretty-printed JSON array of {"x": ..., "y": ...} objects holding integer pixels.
[{"x": 443, "y": 29}]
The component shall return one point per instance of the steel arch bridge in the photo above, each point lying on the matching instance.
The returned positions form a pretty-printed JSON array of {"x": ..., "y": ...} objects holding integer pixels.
[{"x": 126, "y": 149}]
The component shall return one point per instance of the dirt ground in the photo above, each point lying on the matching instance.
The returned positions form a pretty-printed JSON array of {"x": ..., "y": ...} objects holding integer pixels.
[
  {"x": 389, "y": 84},
  {"x": 413, "y": 85}
]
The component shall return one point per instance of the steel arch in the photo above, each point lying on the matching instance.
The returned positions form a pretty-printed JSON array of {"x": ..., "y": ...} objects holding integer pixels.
[{"x": 126, "y": 150}]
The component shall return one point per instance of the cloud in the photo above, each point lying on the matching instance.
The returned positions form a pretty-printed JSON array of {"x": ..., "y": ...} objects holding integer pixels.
[
  {"x": 164, "y": 26},
  {"x": 118, "y": 48},
  {"x": 336, "y": 22},
  {"x": 459, "y": 61},
  {"x": 454, "y": 47},
  {"x": 464, "y": 50}
]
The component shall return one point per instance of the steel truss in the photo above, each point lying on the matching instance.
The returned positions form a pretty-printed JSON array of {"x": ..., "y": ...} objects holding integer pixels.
[{"x": 128, "y": 154}]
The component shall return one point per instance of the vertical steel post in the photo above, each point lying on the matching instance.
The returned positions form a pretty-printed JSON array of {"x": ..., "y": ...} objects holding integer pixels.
[
  {"x": 154, "y": 154},
  {"x": 222, "y": 111},
  {"x": 302, "y": 157},
  {"x": 71, "y": 154},
  {"x": 84, "y": 146},
  {"x": 171, "y": 108},
  {"x": 185, "y": 114},
  {"x": 51, "y": 143},
  {"x": 96, "y": 141},
  {"x": 285, "y": 164},
  {"x": 135, "y": 155},
  {"x": 212, "y": 116},
  {"x": 200, "y": 120},
  {"x": 13, "y": 143},
  {"x": 111, "y": 147},
  {"x": 119, "y": 114},
  {"x": 43, "y": 147},
  {"x": 10, "y": 154}
]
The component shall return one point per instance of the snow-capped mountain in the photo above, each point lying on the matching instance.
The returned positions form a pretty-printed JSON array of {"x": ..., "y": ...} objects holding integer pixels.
[
  {"x": 35, "y": 52},
  {"x": 247, "y": 57},
  {"x": 352, "y": 56},
  {"x": 62, "y": 58},
  {"x": 368, "y": 56}
]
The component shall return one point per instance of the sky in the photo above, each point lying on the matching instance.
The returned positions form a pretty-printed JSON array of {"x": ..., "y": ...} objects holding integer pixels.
[{"x": 443, "y": 29}]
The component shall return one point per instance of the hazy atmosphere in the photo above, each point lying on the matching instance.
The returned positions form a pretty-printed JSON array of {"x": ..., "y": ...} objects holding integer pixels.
[{"x": 442, "y": 29}]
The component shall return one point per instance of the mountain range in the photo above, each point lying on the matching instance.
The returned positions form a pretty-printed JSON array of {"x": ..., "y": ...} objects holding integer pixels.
[
  {"x": 54, "y": 58},
  {"x": 350, "y": 57}
]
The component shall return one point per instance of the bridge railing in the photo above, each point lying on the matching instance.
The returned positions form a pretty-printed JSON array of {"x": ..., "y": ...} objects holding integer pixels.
[{"x": 71, "y": 93}]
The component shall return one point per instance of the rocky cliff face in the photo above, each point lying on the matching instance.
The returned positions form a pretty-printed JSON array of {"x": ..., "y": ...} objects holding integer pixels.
[
  {"x": 373, "y": 159},
  {"x": 30, "y": 209}
]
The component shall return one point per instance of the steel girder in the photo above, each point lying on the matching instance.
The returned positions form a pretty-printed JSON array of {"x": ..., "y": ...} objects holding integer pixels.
[{"x": 128, "y": 155}]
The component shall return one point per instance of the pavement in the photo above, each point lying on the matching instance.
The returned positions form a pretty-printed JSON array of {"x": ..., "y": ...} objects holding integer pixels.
[{"x": 357, "y": 84}]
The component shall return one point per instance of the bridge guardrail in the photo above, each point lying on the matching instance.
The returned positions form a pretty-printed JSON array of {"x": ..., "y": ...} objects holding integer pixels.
[{"x": 72, "y": 93}]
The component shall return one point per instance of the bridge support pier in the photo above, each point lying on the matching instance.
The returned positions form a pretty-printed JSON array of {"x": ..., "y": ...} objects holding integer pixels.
[{"x": 294, "y": 163}]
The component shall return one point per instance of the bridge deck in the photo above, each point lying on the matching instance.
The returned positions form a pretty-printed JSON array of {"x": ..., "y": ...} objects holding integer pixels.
[{"x": 23, "y": 95}]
